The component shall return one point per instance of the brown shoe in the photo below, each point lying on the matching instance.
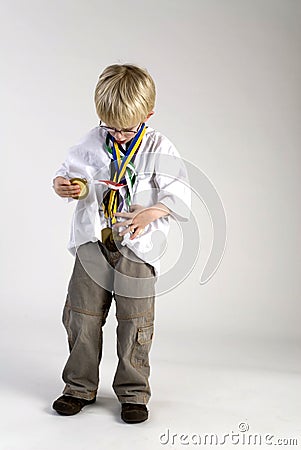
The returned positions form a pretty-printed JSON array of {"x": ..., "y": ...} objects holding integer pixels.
[
  {"x": 133, "y": 412},
  {"x": 68, "y": 406}
]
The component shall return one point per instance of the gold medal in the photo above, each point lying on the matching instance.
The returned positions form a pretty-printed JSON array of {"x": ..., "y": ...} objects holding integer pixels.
[
  {"x": 109, "y": 238},
  {"x": 84, "y": 188},
  {"x": 106, "y": 234}
]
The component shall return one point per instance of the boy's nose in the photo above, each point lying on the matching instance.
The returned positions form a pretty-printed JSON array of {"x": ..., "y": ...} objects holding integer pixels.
[{"x": 118, "y": 135}]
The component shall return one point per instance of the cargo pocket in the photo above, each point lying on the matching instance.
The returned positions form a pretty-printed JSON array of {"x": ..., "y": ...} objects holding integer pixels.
[{"x": 142, "y": 346}]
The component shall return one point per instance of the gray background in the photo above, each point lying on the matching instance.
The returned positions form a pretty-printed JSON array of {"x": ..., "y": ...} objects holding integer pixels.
[{"x": 228, "y": 87}]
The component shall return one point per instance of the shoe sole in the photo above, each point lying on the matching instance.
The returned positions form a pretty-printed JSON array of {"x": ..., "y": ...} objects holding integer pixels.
[
  {"x": 133, "y": 420},
  {"x": 61, "y": 413}
]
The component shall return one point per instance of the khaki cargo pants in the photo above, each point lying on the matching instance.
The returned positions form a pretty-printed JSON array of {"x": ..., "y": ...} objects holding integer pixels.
[{"x": 98, "y": 276}]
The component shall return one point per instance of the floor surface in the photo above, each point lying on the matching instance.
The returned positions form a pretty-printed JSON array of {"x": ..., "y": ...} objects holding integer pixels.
[{"x": 235, "y": 391}]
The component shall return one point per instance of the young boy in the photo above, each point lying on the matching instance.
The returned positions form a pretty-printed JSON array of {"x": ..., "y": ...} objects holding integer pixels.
[{"x": 128, "y": 180}]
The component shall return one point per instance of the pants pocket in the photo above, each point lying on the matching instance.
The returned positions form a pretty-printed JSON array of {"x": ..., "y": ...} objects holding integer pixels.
[{"x": 142, "y": 346}]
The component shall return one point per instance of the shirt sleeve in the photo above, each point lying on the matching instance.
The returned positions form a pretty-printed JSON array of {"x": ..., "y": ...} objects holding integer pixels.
[
  {"x": 85, "y": 160},
  {"x": 78, "y": 163},
  {"x": 172, "y": 182}
]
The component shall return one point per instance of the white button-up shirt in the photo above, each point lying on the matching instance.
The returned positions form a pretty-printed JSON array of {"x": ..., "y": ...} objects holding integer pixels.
[{"x": 161, "y": 176}]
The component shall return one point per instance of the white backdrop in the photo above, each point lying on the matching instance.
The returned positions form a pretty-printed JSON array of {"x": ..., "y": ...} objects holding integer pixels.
[{"x": 228, "y": 86}]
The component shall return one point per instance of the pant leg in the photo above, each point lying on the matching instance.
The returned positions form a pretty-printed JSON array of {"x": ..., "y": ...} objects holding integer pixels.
[
  {"x": 135, "y": 316},
  {"x": 84, "y": 315}
]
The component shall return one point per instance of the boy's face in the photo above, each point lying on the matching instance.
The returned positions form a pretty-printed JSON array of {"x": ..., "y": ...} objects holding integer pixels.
[{"x": 124, "y": 135}]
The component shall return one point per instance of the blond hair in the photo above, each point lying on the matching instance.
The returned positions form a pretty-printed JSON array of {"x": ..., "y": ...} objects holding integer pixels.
[{"x": 124, "y": 95}]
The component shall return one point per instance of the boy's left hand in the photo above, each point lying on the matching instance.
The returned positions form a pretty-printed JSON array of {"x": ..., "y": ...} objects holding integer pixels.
[{"x": 138, "y": 218}]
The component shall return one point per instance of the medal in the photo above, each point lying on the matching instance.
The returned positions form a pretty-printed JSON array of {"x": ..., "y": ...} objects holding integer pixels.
[
  {"x": 84, "y": 188},
  {"x": 109, "y": 238},
  {"x": 121, "y": 163},
  {"x": 119, "y": 179}
]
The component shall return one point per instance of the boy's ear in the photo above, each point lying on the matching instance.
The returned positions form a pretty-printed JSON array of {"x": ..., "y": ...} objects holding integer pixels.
[{"x": 149, "y": 115}]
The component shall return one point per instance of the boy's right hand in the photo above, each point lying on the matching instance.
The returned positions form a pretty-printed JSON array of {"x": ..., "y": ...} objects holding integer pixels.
[{"x": 64, "y": 188}]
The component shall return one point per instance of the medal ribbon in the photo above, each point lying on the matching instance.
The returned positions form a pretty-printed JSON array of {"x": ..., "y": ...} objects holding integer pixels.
[{"x": 121, "y": 164}]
